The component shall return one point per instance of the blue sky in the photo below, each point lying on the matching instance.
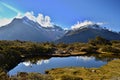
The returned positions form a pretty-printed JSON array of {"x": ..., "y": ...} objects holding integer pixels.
[{"x": 67, "y": 12}]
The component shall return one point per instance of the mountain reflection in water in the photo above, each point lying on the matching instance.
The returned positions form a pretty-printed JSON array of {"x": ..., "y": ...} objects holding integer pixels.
[{"x": 42, "y": 64}]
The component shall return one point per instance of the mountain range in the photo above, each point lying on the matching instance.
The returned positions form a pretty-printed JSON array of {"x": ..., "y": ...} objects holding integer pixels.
[
  {"x": 87, "y": 33},
  {"x": 27, "y": 30}
]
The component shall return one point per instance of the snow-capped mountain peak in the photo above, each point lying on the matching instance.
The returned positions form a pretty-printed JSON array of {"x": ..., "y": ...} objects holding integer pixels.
[
  {"x": 44, "y": 21},
  {"x": 29, "y": 30},
  {"x": 86, "y": 24}
]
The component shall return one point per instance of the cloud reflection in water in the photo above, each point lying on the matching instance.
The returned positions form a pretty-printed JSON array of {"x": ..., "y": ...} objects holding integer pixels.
[{"x": 39, "y": 62}]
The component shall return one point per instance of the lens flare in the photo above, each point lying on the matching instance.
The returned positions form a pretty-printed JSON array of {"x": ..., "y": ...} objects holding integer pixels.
[{"x": 10, "y": 7}]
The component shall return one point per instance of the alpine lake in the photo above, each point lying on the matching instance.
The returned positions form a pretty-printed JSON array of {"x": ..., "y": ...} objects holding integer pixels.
[{"x": 41, "y": 64}]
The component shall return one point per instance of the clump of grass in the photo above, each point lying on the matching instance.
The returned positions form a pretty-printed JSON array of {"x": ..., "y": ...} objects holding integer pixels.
[
  {"x": 110, "y": 49},
  {"x": 70, "y": 77},
  {"x": 3, "y": 75},
  {"x": 31, "y": 76},
  {"x": 107, "y": 72}
]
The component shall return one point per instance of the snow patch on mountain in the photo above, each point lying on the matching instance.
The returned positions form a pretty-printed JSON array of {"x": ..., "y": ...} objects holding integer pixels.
[
  {"x": 26, "y": 28},
  {"x": 30, "y": 15},
  {"x": 44, "y": 21},
  {"x": 86, "y": 24}
]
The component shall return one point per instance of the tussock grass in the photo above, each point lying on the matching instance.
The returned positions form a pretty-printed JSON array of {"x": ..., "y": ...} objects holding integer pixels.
[{"x": 110, "y": 71}]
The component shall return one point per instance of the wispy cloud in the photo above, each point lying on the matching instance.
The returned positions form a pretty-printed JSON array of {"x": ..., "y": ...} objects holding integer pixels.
[
  {"x": 85, "y": 24},
  {"x": 44, "y": 21},
  {"x": 5, "y": 21},
  {"x": 30, "y": 15}
]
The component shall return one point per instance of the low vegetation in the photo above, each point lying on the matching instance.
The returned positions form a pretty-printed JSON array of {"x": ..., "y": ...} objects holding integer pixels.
[
  {"x": 110, "y": 71},
  {"x": 12, "y": 52},
  {"x": 31, "y": 76}
]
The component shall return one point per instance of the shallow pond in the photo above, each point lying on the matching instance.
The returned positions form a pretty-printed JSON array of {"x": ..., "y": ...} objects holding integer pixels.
[{"x": 40, "y": 65}]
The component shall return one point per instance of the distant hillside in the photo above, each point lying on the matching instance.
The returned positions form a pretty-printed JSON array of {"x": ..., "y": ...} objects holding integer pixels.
[
  {"x": 28, "y": 30},
  {"x": 86, "y": 33}
]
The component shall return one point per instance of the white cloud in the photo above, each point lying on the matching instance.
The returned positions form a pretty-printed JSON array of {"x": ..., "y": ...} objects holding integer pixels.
[
  {"x": 44, "y": 21},
  {"x": 100, "y": 23},
  {"x": 40, "y": 19},
  {"x": 66, "y": 28},
  {"x": 27, "y": 63},
  {"x": 5, "y": 21},
  {"x": 46, "y": 61},
  {"x": 30, "y": 15},
  {"x": 85, "y": 58},
  {"x": 86, "y": 23},
  {"x": 19, "y": 15}
]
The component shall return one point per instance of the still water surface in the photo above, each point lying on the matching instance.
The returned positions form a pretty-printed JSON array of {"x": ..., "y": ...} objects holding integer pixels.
[{"x": 56, "y": 62}]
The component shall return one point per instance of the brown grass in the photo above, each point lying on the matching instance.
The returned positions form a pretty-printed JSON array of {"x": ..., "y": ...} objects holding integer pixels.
[{"x": 111, "y": 71}]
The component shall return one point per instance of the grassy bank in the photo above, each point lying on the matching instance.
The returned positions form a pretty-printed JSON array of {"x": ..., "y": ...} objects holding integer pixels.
[{"x": 109, "y": 71}]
